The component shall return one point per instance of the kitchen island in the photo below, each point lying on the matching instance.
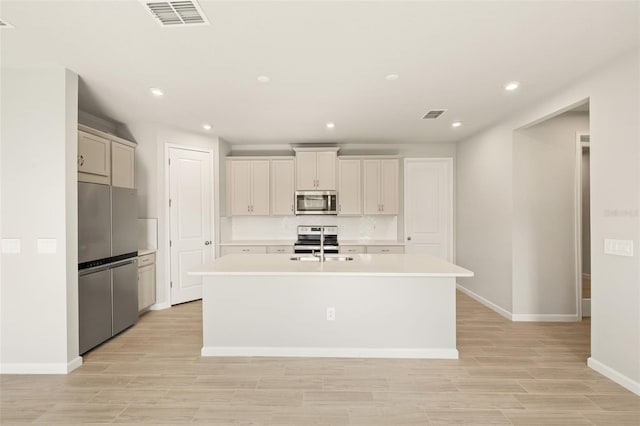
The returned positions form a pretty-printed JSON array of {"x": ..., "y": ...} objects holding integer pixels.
[{"x": 375, "y": 305}]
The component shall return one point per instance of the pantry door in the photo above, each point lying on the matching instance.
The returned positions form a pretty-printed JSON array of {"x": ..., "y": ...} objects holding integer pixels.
[
  {"x": 428, "y": 206},
  {"x": 190, "y": 241}
]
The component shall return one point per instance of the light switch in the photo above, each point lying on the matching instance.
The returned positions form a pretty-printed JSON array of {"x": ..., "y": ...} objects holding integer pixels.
[
  {"x": 618, "y": 247},
  {"x": 47, "y": 245},
  {"x": 11, "y": 245}
]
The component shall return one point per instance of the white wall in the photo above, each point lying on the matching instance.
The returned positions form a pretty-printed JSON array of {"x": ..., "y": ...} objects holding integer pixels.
[
  {"x": 544, "y": 218},
  {"x": 39, "y": 292},
  {"x": 484, "y": 210}
]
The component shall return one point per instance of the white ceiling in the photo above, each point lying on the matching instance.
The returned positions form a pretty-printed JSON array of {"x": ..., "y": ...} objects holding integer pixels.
[{"x": 326, "y": 61}]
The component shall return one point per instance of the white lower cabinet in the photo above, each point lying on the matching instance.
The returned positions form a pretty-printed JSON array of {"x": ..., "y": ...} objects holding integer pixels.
[
  {"x": 280, "y": 249},
  {"x": 243, "y": 250},
  {"x": 385, "y": 249},
  {"x": 353, "y": 249},
  {"x": 146, "y": 281}
]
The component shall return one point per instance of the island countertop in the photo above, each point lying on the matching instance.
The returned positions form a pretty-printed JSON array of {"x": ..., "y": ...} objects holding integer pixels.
[{"x": 413, "y": 265}]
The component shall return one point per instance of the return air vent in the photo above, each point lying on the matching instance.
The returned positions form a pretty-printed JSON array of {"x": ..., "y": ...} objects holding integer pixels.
[
  {"x": 176, "y": 13},
  {"x": 5, "y": 24},
  {"x": 433, "y": 114},
  {"x": 585, "y": 138}
]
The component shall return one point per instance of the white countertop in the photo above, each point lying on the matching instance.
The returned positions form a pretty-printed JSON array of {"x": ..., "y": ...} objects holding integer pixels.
[
  {"x": 362, "y": 265},
  {"x": 142, "y": 252},
  {"x": 291, "y": 242}
]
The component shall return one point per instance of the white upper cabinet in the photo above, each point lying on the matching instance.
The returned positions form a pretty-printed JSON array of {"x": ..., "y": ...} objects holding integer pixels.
[
  {"x": 122, "y": 165},
  {"x": 282, "y": 187},
  {"x": 94, "y": 158},
  {"x": 349, "y": 187},
  {"x": 316, "y": 169},
  {"x": 105, "y": 158},
  {"x": 249, "y": 187},
  {"x": 381, "y": 186}
]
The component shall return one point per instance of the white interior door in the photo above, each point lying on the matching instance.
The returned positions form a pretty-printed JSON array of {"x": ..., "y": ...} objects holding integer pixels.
[
  {"x": 428, "y": 206},
  {"x": 190, "y": 183}
]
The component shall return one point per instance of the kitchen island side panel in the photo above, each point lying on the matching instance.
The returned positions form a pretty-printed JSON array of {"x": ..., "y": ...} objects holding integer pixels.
[{"x": 387, "y": 317}]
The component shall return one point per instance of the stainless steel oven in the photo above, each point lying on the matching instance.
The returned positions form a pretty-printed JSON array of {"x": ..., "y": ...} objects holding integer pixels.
[
  {"x": 316, "y": 202},
  {"x": 310, "y": 239}
]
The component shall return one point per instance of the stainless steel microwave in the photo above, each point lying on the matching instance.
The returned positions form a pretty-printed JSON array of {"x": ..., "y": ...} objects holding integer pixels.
[{"x": 316, "y": 202}]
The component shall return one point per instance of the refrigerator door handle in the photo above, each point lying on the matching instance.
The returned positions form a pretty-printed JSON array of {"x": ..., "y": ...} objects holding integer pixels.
[{"x": 95, "y": 269}]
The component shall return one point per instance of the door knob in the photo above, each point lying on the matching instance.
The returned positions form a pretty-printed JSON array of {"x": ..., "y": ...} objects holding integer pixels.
[{"x": 408, "y": 238}]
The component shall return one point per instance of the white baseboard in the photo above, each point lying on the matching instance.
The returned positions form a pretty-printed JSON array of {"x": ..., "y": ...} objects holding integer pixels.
[
  {"x": 485, "y": 302},
  {"x": 426, "y": 353},
  {"x": 545, "y": 317},
  {"x": 614, "y": 375},
  {"x": 160, "y": 306},
  {"x": 586, "y": 307},
  {"x": 41, "y": 368}
]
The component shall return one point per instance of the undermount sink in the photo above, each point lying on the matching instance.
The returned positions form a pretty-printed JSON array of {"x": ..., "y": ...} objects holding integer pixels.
[{"x": 326, "y": 259}]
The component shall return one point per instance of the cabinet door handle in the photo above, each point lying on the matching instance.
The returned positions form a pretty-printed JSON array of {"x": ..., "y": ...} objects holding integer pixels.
[
  {"x": 81, "y": 160},
  {"x": 206, "y": 243},
  {"x": 408, "y": 238}
]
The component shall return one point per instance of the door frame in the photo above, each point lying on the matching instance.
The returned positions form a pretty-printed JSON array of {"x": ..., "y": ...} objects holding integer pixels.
[
  {"x": 451, "y": 195},
  {"x": 167, "y": 211},
  {"x": 578, "y": 216}
]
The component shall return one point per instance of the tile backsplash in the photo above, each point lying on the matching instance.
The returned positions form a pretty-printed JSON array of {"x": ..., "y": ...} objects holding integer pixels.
[{"x": 285, "y": 227}]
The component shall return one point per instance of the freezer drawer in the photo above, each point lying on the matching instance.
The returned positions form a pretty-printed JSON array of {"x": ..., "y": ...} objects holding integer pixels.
[
  {"x": 125, "y": 295},
  {"x": 94, "y": 308}
]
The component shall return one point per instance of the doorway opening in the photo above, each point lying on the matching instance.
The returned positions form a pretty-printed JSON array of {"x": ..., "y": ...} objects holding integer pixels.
[
  {"x": 583, "y": 219},
  {"x": 551, "y": 237}
]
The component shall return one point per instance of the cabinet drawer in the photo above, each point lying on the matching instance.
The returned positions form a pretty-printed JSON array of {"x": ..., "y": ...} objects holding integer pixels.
[
  {"x": 280, "y": 249},
  {"x": 147, "y": 259},
  {"x": 243, "y": 250},
  {"x": 352, "y": 249},
  {"x": 385, "y": 249}
]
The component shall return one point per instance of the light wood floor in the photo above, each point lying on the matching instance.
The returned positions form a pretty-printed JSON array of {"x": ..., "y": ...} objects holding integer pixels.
[{"x": 508, "y": 373}]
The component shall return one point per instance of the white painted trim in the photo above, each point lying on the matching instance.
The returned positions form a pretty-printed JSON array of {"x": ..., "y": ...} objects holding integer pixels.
[
  {"x": 486, "y": 302},
  {"x": 450, "y": 230},
  {"x": 38, "y": 368},
  {"x": 614, "y": 375},
  {"x": 586, "y": 308},
  {"x": 417, "y": 353},
  {"x": 545, "y": 317},
  {"x": 167, "y": 226},
  {"x": 160, "y": 306}
]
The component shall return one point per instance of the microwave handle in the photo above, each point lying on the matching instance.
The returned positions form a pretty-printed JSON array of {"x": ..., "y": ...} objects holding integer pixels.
[{"x": 329, "y": 198}]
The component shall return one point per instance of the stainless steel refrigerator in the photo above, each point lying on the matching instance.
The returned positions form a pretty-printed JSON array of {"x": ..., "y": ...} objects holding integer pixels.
[{"x": 107, "y": 262}]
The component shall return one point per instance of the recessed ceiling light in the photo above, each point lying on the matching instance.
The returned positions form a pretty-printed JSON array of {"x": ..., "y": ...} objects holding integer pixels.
[
  {"x": 263, "y": 79},
  {"x": 512, "y": 85},
  {"x": 330, "y": 125},
  {"x": 206, "y": 126},
  {"x": 156, "y": 92},
  {"x": 456, "y": 124},
  {"x": 392, "y": 77}
]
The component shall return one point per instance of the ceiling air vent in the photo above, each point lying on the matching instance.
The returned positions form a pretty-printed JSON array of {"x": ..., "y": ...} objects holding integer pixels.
[
  {"x": 176, "y": 13},
  {"x": 5, "y": 24},
  {"x": 433, "y": 114}
]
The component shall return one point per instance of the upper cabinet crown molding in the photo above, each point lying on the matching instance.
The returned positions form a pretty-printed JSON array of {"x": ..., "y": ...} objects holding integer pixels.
[
  {"x": 106, "y": 135},
  {"x": 315, "y": 148}
]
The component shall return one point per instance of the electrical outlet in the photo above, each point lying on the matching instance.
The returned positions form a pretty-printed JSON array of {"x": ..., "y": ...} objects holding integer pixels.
[{"x": 331, "y": 314}]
